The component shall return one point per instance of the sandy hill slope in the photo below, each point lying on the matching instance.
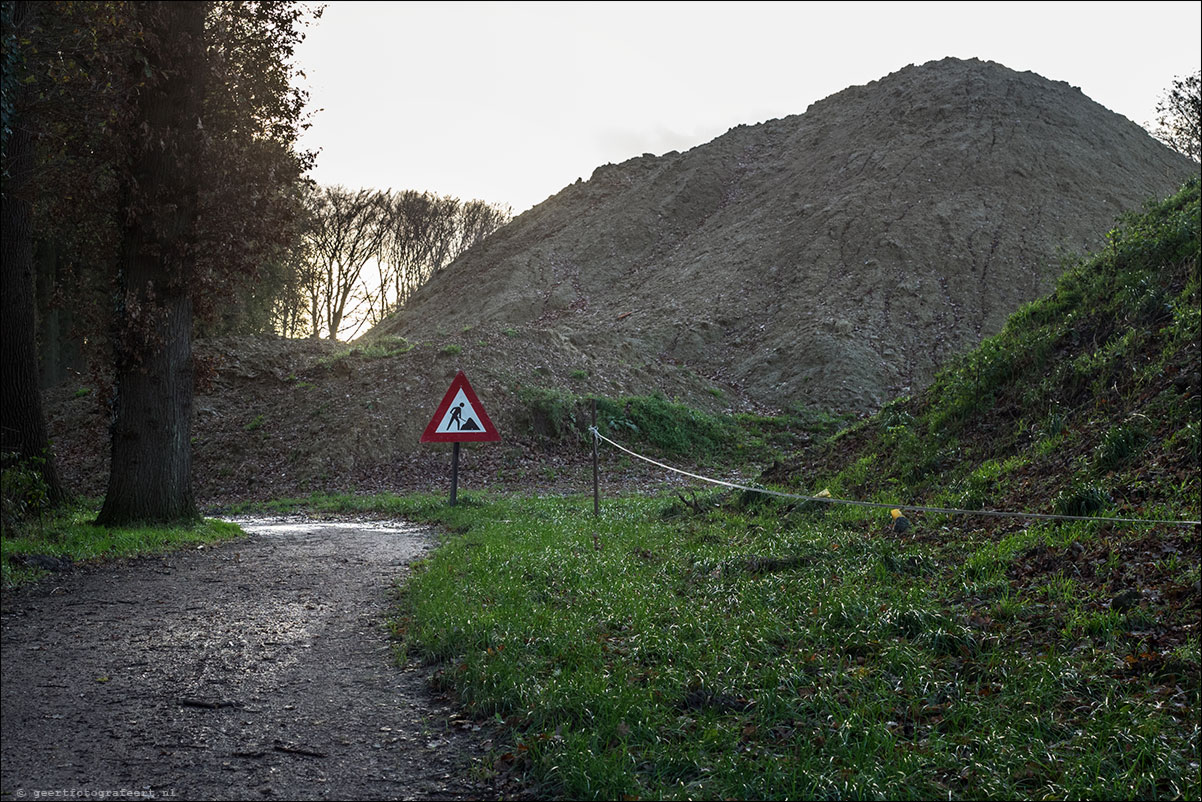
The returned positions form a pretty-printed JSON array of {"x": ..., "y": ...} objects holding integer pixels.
[{"x": 836, "y": 257}]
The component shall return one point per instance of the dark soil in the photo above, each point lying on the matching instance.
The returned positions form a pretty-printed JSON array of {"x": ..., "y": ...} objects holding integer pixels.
[
  {"x": 286, "y": 418},
  {"x": 255, "y": 669}
]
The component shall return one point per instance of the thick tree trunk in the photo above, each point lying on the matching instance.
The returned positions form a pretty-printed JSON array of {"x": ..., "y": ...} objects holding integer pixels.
[
  {"x": 151, "y": 467},
  {"x": 22, "y": 423},
  {"x": 151, "y": 475}
]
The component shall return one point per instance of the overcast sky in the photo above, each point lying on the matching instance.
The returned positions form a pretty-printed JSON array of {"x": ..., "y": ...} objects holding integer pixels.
[{"x": 510, "y": 102}]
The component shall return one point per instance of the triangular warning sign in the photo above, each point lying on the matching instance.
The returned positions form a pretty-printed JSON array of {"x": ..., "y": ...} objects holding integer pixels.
[{"x": 460, "y": 417}]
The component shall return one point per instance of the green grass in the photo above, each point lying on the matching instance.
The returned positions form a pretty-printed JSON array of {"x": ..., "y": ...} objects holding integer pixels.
[
  {"x": 668, "y": 428},
  {"x": 660, "y": 652},
  {"x": 70, "y": 532}
]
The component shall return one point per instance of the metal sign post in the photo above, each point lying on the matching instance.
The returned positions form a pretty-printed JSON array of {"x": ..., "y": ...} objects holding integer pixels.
[{"x": 459, "y": 417}]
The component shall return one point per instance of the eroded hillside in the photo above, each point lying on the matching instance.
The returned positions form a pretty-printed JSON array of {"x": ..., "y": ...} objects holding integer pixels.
[{"x": 837, "y": 257}]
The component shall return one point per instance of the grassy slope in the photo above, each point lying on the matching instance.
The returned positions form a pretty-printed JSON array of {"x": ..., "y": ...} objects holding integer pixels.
[
  {"x": 1089, "y": 400},
  {"x": 739, "y": 647}
]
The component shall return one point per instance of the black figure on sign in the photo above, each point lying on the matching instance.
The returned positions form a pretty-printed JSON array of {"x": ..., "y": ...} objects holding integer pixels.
[{"x": 456, "y": 415}]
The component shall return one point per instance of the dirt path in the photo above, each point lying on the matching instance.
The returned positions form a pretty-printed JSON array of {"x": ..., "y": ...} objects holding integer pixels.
[{"x": 255, "y": 669}]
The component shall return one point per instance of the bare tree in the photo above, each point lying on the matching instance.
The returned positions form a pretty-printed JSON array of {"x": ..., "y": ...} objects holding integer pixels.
[
  {"x": 421, "y": 229},
  {"x": 364, "y": 253},
  {"x": 426, "y": 233},
  {"x": 477, "y": 220},
  {"x": 344, "y": 234},
  {"x": 1179, "y": 116},
  {"x": 289, "y": 315}
]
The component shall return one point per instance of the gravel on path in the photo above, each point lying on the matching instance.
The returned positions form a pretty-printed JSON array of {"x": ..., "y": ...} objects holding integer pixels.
[{"x": 258, "y": 668}]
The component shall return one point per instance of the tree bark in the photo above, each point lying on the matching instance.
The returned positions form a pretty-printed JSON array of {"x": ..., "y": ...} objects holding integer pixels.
[
  {"x": 59, "y": 346},
  {"x": 22, "y": 422},
  {"x": 151, "y": 469}
]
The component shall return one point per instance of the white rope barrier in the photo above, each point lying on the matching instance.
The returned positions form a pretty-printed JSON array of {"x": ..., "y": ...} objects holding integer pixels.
[{"x": 877, "y": 505}]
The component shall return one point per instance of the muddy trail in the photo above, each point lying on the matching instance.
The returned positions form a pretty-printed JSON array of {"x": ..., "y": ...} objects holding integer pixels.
[{"x": 259, "y": 668}]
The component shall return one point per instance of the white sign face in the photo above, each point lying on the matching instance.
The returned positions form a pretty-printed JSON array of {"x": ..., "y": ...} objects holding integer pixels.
[{"x": 459, "y": 417}]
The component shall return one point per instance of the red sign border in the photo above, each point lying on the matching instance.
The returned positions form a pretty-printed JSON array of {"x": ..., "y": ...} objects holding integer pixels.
[{"x": 488, "y": 434}]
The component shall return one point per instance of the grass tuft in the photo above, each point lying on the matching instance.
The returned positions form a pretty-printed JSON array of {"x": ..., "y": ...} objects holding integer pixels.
[{"x": 68, "y": 536}]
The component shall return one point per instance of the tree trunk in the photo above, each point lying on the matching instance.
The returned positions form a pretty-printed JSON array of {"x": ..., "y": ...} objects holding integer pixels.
[
  {"x": 316, "y": 313},
  {"x": 335, "y": 323},
  {"x": 59, "y": 347},
  {"x": 22, "y": 423},
  {"x": 151, "y": 467}
]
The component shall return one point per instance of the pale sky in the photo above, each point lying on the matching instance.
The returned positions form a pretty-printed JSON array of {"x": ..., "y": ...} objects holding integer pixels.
[{"x": 509, "y": 102}]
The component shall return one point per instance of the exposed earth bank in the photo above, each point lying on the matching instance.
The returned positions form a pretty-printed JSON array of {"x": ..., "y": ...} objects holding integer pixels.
[
  {"x": 255, "y": 669},
  {"x": 837, "y": 257}
]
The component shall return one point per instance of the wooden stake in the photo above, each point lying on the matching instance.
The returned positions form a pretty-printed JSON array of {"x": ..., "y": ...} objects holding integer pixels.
[{"x": 596, "y": 489}]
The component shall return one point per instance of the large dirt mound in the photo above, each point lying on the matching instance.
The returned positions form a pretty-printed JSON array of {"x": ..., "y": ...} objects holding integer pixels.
[{"x": 835, "y": 257}]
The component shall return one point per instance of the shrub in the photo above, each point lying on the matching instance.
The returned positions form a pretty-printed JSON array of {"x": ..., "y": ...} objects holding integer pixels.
[
  {"x": 1117, "y": 446},
  {"x": 23, "y": 491},
  {"x": 1081, "y": 499}
]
